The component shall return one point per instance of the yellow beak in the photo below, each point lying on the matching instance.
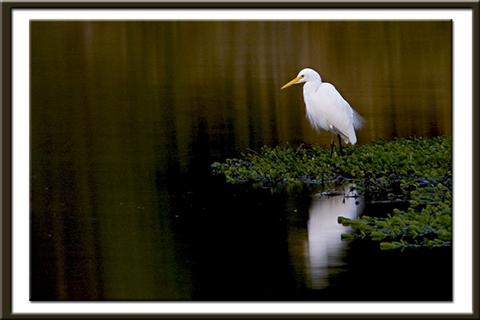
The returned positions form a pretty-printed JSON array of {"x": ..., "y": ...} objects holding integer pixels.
[{"x": 291, "y": 83}]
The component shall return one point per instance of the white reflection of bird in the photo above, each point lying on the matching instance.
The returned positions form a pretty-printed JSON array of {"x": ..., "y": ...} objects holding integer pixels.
[
  {"x": 324, "y": 242},
  {"x": 326, "y": 108}
]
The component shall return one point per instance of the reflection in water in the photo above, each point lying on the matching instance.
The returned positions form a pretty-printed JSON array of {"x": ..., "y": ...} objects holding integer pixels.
[{"x": 321, "y": 248}]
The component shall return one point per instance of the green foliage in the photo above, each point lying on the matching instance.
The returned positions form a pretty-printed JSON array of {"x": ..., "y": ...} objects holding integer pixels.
[
  {"x": 425, "y": 223},
  {"x": 417, "y": 171},
  {"x": 387, "y": 169}
]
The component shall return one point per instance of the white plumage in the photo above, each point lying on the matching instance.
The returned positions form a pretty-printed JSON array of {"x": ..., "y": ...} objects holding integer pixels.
[{"x": 326, "y": 108}]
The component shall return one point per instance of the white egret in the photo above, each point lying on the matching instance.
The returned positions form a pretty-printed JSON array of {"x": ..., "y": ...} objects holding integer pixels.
[{"x": 326, "y": 108}]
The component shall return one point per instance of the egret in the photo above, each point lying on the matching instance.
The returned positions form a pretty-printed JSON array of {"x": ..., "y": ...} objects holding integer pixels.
[{"x": 327, "y": 109}]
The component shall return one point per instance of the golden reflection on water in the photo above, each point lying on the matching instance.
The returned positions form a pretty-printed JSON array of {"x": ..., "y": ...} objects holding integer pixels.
[
  {"x": 118, "y": 108},
  {"x": 396, "y": 74}
]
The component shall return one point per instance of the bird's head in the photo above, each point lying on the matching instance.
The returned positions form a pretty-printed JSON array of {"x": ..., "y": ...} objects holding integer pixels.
[{"x": 305, "y": 75}]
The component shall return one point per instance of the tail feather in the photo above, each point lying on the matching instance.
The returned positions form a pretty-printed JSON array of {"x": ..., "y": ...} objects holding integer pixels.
[{"x": 358, "y": 120}]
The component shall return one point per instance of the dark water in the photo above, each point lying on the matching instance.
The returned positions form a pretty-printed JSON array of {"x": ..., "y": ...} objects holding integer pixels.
[{"x": 126, "y": 118}]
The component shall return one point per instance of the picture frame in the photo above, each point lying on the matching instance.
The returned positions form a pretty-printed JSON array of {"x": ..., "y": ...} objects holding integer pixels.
[{"x": 7, "y": 93}]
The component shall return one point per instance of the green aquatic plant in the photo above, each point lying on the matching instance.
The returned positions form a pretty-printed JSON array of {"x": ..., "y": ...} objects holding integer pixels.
[
  {"x": 427, "y": 222},
  {"x": 415, "y": 171},
  {"x": 385, "y": 169}
]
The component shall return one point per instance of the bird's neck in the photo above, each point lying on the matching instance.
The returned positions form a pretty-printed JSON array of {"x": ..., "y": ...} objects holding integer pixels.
[{"x": 312, "y": 85}]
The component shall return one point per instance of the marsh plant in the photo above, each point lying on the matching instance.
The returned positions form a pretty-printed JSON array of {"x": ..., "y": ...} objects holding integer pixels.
[{"x": 416, "y": 172}]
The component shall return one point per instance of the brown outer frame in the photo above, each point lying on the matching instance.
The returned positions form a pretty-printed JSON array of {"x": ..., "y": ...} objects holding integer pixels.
[{"x": 6, "y": 144}]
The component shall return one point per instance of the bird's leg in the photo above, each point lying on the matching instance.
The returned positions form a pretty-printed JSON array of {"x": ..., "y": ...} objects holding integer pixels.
[
  {"x": 332, "y": 145},
  {"x": 340, "y": 144}
]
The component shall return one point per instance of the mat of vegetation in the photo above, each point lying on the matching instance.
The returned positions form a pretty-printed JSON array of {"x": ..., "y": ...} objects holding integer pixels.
[{"x": 416, "y": 171}]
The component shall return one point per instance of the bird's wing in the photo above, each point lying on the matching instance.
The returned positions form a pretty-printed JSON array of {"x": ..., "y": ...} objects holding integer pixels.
[{"x": 337, "y": 111}]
